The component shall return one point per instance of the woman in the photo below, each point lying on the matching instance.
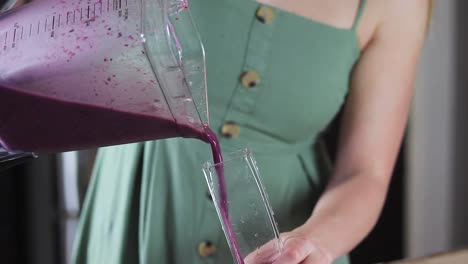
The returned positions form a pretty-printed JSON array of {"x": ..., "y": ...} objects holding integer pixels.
[{"x": 278, "y": 73}]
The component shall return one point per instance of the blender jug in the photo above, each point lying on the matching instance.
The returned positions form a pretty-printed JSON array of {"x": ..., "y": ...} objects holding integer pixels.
[{"x": 83, "y": 74}]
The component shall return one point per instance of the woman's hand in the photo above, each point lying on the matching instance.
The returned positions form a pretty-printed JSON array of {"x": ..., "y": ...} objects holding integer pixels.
[{"x": 297, "y": 248}]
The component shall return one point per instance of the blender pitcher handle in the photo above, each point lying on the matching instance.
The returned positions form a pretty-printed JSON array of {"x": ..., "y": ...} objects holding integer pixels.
[
  {"x": 173, "y": 56},
  {"x": 9, "y": 159},
  {"x": 187, "y": 49}
]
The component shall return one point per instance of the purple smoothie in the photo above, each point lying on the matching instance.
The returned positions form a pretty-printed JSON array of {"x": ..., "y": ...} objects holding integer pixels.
[
  {"x": 212, "y": 139},
  {"x": 32, "y": 122}
]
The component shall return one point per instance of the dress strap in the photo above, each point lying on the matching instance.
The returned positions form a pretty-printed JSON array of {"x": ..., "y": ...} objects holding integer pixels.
[{"x": 362, "y": 5}]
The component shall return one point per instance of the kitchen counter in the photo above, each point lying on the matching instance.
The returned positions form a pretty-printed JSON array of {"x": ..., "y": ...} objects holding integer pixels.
[{"x": 456, "y": 257}]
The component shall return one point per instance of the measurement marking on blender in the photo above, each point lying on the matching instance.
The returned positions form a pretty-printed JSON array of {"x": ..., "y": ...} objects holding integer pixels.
[
  {"x": 119, "y": 7},
  {"x": 100, "y": 6},
  {"x": 14, "y": 38},
  {"x": 11, "y": 38},
  {"x": 4, "y": 46}
]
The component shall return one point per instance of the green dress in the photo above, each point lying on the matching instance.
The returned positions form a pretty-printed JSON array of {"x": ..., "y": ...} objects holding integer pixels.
[{"x": 148, "y": 202}]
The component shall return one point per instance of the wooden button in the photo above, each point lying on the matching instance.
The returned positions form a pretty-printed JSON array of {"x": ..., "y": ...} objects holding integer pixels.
[
  {"x": 230, "y": 129},
  {"x": 206, "y": 249},
  {"x": 265, "y": 14},
  {"x": 250, "y": 79}
]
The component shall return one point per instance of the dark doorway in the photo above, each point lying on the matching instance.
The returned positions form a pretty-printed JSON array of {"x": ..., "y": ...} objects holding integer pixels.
[
  {"x": 12, "y": 215},
  {"x": 386, "y": 241}
]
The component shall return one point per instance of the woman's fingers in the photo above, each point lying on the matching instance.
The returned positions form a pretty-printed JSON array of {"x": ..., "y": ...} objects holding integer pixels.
[
  {"x": 308, "y": 260},
  {"x": 316, "y": 258},
  {"x": 295, "y": 250},
  {"x": 266, "y": 254}
]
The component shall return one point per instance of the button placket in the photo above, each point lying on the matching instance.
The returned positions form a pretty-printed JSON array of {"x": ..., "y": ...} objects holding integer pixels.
[{"x": 252, "y": 78}]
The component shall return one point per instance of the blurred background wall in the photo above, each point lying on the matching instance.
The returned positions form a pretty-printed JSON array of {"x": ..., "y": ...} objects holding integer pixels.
[{"x": 437, "y": 172}]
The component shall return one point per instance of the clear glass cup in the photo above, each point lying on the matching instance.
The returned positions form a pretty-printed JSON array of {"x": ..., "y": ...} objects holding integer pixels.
[{"x": 249, "y": 212}]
